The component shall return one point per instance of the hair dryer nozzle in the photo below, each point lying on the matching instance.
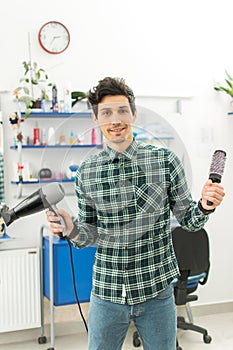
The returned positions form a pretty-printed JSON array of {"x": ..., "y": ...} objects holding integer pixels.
[
  {"x": 53, "y": 193},
  {"x": 43, "y": 198}
]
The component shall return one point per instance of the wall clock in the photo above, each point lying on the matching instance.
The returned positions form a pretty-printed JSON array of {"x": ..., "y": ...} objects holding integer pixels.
[{"x": 54, "y": 37}]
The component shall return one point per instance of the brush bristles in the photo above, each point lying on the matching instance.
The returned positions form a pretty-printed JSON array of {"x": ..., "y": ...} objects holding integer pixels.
[{"x": 218, "y": 162}]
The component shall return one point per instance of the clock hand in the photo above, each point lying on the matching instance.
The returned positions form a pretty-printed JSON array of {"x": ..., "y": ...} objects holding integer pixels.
[{"x": 55, "y": 37}]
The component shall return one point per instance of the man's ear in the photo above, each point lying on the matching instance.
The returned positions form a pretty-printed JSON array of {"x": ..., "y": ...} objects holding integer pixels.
[
  {"x": 135, "y": 116},
  {"x": 95, "y": 120}
]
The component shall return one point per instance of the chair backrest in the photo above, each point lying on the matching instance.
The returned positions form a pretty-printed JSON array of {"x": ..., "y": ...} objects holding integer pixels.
[{"x": 192, "y": 251}]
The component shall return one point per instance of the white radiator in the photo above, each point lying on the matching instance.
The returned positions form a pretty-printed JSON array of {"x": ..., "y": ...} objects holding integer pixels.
[{"x": 20, "y": 298}]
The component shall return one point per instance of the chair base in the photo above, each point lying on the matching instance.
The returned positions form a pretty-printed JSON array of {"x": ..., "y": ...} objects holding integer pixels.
[
  {"x": 136, "y": 340},
  {"x": 182, "y": 324}
]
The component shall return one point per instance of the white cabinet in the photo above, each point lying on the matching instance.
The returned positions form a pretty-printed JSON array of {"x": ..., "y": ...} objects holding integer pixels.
[{"x": 20, "y": 289}]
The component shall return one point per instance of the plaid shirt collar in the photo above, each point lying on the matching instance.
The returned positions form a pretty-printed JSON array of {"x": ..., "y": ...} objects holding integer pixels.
[{"x": 129, "y": 153}]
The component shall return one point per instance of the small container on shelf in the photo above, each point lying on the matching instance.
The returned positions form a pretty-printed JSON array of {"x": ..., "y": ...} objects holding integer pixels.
[
  {"x": 72, "y": 138},
  {"x": 51, "y": 136},
  {"x": 73, "y": 169},
  {"x": 36, "y": 135},
  {"x": 93, "y": 136},
  {"x": 54, "y": 99}
]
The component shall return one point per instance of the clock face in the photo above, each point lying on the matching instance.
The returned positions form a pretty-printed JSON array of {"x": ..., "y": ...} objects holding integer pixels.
[{"x": 54, "y": 37}]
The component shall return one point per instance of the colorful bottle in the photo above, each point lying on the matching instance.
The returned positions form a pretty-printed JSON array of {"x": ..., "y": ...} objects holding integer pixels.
[
  {"x": 51, "y": 136},
  {"x": 72, "y": 138},
  {"x": 43, "y": 137},
  {"x": 54, "y": 99},
  {"x": 36, "y": 135},
  {"x": 67, "y": 101},
  {"x": 93, "y": 136}
]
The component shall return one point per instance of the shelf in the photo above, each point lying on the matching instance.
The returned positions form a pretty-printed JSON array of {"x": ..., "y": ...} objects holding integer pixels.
[
  {"x": 138, "y": 138},
  {"x": 58, "y": 115},
  {"x": 41, "y": 181},
  {"x": 59, "y": 146}
]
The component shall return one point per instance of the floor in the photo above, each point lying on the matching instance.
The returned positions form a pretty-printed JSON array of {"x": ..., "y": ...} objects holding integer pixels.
[{"x": 71, "y": 336}]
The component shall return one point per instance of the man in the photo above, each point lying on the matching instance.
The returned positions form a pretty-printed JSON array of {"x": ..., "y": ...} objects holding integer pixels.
[{"x": 125, "y": 195}]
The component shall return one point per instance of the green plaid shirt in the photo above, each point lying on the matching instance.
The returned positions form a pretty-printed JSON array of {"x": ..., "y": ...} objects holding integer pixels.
[{"x": 124, "y": 202}]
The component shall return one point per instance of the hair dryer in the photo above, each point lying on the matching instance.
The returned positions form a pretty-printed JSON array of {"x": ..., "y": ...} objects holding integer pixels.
[{"x": 46, "y": 197}]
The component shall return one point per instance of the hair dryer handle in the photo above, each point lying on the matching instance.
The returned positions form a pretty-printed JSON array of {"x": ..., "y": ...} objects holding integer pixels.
[{"x": 53, "y": 208}]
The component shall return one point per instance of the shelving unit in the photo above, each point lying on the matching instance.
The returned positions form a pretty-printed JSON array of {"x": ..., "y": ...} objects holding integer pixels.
[
  {"x": 59, "y": 114},
  {"x": 72, "y": 120},
  {"x": 58, "y": 146},
  {"x": 41, "y": 181}
]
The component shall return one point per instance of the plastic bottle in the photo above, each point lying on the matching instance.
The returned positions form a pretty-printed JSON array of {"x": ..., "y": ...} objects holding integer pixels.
[
  {"x": 43, "y": 137},
  {"x": 54, "y": 99},
  {"x": 36, "y": 135},
  {"x": 72, "y": 139},
  {"x": 62, "y": 139},
  {"x": 43, "y": 105},
  {"x": 80, "y": 140},
  {"x": 51, "y": 136},
  {"x": 67, "y": 101},
  {"x": 93, "y": 136}
]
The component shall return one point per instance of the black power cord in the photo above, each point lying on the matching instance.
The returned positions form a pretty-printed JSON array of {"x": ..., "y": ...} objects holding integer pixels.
[
  {"x": 66, "y": 238},
  {"x": 74, "y": 282}
]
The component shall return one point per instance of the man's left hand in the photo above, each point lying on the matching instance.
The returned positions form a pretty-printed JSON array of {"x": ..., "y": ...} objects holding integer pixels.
[{"x": 212, "y": 192}]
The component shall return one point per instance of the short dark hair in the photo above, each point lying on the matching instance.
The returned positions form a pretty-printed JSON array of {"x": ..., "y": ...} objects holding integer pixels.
[{"x": 110, "y": 87}]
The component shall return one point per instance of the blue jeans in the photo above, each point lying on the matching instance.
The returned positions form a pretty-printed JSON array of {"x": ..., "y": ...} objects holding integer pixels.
[{"x": 154, "y": 319}]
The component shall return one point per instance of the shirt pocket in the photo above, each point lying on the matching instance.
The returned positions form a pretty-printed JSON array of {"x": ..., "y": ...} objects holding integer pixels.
[{"x": 151, "y": 197}]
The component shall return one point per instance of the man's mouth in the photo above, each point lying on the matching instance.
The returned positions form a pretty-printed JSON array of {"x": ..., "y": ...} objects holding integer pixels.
[{"x": 117, "y": 130}]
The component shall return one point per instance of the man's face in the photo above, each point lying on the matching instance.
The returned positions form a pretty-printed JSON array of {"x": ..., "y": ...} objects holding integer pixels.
[{"x": 115, "y": 119}]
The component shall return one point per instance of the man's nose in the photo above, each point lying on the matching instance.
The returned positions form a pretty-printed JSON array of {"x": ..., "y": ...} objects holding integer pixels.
[{"x": 115, "y": 118}]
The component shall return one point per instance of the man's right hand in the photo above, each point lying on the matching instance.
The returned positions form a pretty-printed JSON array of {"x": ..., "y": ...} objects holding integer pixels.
[{"x": 55, "y": 226}]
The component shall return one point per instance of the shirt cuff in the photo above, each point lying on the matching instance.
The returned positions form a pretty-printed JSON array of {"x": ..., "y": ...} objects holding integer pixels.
[
  {"x": 74, "y": 233},
  {"x": 204, "y": 211}
]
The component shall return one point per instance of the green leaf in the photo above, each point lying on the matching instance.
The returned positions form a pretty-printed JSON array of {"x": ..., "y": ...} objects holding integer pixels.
[
  {"x": 27, "y": 112},
  {"x": 19, "y": 88},
  {"x": 34, "y": 65},
  {"x": 229, "y": 83},
  {"x": 34, "y": 81},
  {"x": 228, "y": 75},
  {"x": 26, "y": 90}
]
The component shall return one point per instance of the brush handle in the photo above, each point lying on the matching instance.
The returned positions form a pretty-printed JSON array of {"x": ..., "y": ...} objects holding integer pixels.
[{"x": 216, "y": 180}]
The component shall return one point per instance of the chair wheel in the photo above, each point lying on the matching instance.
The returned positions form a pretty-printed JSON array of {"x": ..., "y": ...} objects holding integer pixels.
[
  {"x": 42, "y": 340},
  {"x": 207, "y": 339},
  {"x": 136, "y": 340}
]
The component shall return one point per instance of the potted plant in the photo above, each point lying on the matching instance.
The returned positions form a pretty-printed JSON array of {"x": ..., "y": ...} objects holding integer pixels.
[
  {"x": 33, "y": 87},
  {"x": 77, "y": 96},
  {"x": 228, "y": 89}
]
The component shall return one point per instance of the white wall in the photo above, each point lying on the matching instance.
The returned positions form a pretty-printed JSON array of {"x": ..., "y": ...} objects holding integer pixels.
[{"x": 161, "y": 48}]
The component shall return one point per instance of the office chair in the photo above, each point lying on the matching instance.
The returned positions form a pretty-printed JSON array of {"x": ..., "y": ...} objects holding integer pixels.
[{"x": 192, "y": 253}]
